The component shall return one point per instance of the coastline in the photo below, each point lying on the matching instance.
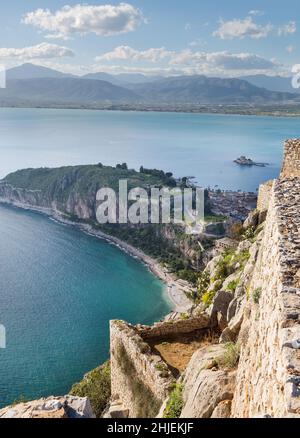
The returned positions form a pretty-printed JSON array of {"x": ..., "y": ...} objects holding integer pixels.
[
  {"x": 176, "y": 288},
  {"x": 206, "y": 111}
]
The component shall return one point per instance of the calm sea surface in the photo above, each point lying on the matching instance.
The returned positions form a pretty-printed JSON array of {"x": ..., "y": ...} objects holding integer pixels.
[
  {"x": 58, "y": 290},
  {"x": 197, "y": 145},
  {"x": 60, "y": 287}
]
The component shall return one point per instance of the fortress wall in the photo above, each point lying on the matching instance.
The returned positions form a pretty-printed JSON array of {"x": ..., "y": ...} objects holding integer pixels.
[
  {"x": 291, "y": 162},
  {"x": 175, "y": 327},
  {"x": 140, "y": 380},
  {"x": 268, "y": 379},
  {"x": 264, "y": 195}
]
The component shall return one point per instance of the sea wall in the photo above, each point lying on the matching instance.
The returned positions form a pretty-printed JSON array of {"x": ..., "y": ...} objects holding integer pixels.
[{"x": 268, "y": 377}]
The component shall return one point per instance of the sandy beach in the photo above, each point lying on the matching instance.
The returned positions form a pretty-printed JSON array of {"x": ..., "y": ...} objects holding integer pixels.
[{"x": 176, "y": 288}]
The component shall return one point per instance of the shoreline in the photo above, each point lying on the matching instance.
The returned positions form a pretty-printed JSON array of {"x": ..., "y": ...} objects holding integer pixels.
[
  {"x": 277, "y": 114},
  {"x": 176, "y": 288}
]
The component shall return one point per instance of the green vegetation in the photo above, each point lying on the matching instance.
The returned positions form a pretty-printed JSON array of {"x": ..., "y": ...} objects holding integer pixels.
[
  {"x": 256, "y": 295},
  {"x": 230, "y": 357},
  {"x": 249, "y": 234},
  {"x": 95, "y": 386},
  {"x": 233, "y": 285},
  {"x": 175, "y": 402},
  {"x": 208, "y": 297},
  {"x": 209, "y": 218}
]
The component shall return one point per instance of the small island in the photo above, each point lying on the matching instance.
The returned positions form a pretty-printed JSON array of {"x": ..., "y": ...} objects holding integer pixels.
[{"x": 244, "y": 161}]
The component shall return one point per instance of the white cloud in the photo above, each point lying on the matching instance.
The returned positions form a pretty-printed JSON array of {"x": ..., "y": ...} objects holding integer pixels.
[
  {"x": 186, "y": 62},
  {"x": 238, "y": 28},
  {"x": 188, "y": 26},
  {"x": 103, "y": 20},
  {"x": 287, "y": 29},
  {"x": 256, "y": 13},
  {"x": 40, "y": 51},
  {"x": 125, "y": 53}
]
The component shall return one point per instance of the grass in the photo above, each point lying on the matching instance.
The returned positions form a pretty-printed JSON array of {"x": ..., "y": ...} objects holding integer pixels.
[
  {"x": 257, "y": 295},
  {"x": 175, "y": 403},
  {"x": 230, "y": 357}
]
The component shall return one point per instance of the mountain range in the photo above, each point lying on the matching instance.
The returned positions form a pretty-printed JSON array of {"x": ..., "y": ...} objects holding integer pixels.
[{"x": 38, "y": 85}]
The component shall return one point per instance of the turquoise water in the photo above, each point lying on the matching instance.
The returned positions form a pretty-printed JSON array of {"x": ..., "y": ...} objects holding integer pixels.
[
  {"x": 58, "y": 290},
  {"x": 197, "y": 145}
]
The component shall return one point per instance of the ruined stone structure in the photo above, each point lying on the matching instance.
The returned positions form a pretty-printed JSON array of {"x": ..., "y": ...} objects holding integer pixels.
[
  {"x": 141, "y": 380},
  {"x": 291, "y": 162},
  {"x": 264, "y": 196},
  {"x": 268, "y": 380}
]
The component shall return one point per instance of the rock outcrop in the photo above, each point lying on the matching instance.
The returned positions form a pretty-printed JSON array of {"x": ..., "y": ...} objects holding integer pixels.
[{"x": 51, "y": 407}]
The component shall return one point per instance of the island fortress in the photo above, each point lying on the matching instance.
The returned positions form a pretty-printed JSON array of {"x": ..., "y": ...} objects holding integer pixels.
[{"x": 236, "y": 353}]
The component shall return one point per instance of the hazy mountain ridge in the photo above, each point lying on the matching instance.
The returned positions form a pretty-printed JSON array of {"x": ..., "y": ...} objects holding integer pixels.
[{"x": 35, "y": 84}]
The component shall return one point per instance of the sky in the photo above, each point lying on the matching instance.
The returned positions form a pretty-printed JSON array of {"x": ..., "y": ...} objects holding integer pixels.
[{"x": 154, "y": 37}]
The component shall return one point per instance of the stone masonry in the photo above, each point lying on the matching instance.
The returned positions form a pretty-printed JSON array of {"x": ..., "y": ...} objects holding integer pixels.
[{"x": 268, "y": 378}]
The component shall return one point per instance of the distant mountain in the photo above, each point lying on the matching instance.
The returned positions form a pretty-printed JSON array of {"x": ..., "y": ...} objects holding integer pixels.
[
  {"x": 122, "y": 78},
  {"x": 33, "y": 85},
  {"x": 32, "y": 71},
  {"x": 275, "y": 83},
  {"x": 137, "y": 78},
  {"x": 65, "y": 90},
  {"x": 204, "y": 90},
  {"x": 101, "y": 76}
]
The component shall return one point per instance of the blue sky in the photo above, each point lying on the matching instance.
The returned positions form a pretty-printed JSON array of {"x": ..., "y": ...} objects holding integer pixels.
[{"x": 153, "y": 36}]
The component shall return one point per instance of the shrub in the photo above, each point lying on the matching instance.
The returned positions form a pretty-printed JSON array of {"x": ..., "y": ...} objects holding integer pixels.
[
  {"x": 208, "y": 297},
  {"x": 233, "y": 285},
  {"x": 230, "y": 357},
  {"x": 249, "y": 233},
  {"x": 96, "y": 386},
  {"x": 203, "y": 283},
  {"x": 256, "y": 295},
  {"x": 175, "y": 403}
]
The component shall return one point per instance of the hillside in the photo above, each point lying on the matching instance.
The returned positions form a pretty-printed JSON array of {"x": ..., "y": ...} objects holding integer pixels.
[
  {"x": 65, "y": 90},
  {"x": 31, "y": 85},
  {"x": 275, "y": 83},
  {"x": 204, "y": 90},
  {"x": 32, "y": 71}
]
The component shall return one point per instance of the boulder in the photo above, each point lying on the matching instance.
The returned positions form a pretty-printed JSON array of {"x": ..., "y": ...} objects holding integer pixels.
[
  {"x": 206, "y": 386},
  {"x": 223, "y": 410},
  {"x": 219, "y": 308}
]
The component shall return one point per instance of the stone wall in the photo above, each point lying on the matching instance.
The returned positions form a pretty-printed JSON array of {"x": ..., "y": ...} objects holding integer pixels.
[
  {"x": 140, "y": 380},
  {"x": 268, "y": 378},
  {"x": 175, "y": 327},
  {"x": 264, "y": 195},
  {"x": 291, "y": 162}
]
